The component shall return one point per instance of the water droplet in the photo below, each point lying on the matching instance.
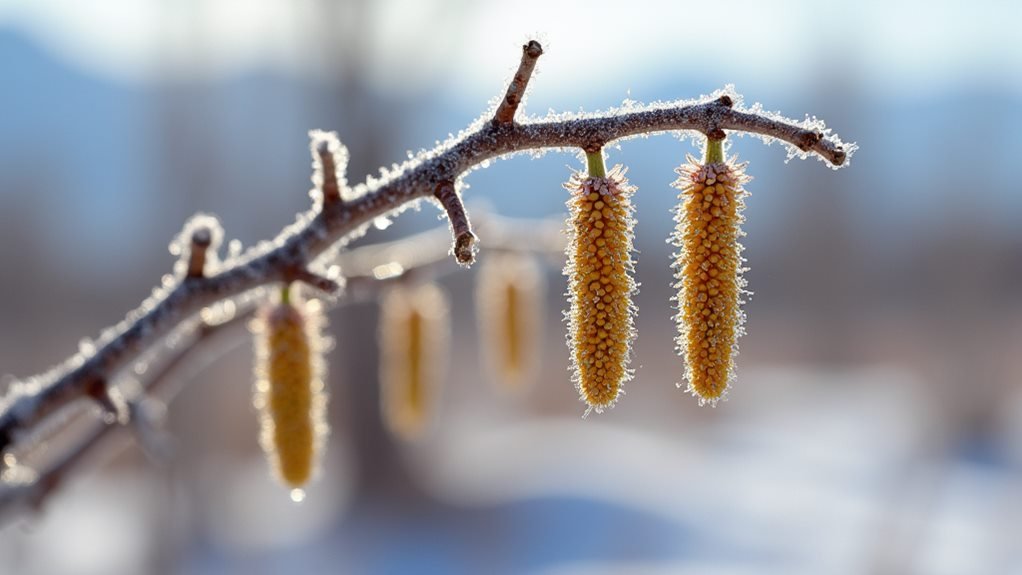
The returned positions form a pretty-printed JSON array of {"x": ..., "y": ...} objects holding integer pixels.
[{"x": 297, "y": 495}]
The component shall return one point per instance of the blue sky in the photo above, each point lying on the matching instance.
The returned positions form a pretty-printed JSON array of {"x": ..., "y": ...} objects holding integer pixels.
[{"x": 904, "y": 46}]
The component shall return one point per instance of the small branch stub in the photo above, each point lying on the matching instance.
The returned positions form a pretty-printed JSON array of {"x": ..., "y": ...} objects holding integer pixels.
[
  {"x": 202, "y": 237},
  {"x": 464, "y": 240},
  {"x": 330, "y": 160},
  {"x": 516, "y": 91}
]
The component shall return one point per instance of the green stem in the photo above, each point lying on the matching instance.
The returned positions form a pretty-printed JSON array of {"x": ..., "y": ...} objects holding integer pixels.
[
  {"x": 596, "y": 167},
  {"x": 714, "y": 151},
  {"x": 285, "y": 294}
]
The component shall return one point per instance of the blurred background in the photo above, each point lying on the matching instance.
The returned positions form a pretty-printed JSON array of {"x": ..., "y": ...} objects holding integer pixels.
[{"x": 876, "y": 423}]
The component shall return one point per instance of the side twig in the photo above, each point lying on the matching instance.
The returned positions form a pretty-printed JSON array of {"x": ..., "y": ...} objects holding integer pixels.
[{"x": 516, "y": 90}]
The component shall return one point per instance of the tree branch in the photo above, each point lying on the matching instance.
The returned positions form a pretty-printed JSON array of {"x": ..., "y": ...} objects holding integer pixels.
[
  {"x": 333, "y": 224},
  {"x": 416, "y": 254}
]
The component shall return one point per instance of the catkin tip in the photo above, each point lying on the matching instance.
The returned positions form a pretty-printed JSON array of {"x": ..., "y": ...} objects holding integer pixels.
[
  {"x": 709, "y": 270},
  {"x": 600, "y": 285}
]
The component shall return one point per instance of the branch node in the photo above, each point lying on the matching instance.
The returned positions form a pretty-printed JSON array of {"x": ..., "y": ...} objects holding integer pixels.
[
  {"x": 330, "y": 161},
  {"x": 725, "y": 101},
  {"x": 98, "y": 389},
  {"x": 516, "y": 90},
  {"x": 202, "y": 237},
  {"x": 808, "y": 140},
  {"x": 324, "y": 284},
  {"x": 464, "y": 249}
]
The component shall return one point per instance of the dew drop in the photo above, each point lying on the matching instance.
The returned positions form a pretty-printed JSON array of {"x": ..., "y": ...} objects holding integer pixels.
[{"x": 297, "y": 495}]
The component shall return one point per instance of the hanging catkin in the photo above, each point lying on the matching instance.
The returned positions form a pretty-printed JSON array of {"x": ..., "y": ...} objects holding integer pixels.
[
  {"x": 289, "y": 390},
  {"x": 413, "y": 353},
  {"x": 600, "y": 284},
  {"x": 509, "y": 302},
  {"x": 709, "y": 271}
]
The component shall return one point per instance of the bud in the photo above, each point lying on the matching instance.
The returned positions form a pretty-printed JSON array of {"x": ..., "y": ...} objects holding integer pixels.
[
  {"x": 600, "y": 284},
  {"x": 289, "y": 390},
  {"x": 509, "y": 300},
  {"x": 709, "y": 271},
  {"x": 413, "y": 351}
]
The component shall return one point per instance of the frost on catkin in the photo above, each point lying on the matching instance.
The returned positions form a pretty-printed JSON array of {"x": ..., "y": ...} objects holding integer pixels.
[
  {"x": 413, "y": 351},
  {"x": 600, "y": 285},
  {"x": 509, "y": 301},
  {"x": 289, "y": 390},
  {"x": 709, "y": 273}
]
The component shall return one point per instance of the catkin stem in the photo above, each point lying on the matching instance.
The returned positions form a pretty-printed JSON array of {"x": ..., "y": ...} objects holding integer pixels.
[
  {"x": 714, "y": 150},
  {"x": 597, "y": 169}
]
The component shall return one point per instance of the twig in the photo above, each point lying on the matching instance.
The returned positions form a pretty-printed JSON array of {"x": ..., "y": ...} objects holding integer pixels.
[
  {"x": 31, "y": 401},
  {"x": 201, "y": 239},
  {"x": 417, "y": 253},
  {"x": 516, "y": 90},
  {"x": 330, "y": 160},
  {"x": 464, "y": 240}
]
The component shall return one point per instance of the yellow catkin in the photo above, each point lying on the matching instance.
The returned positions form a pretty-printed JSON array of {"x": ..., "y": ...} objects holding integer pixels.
[
  {"x": 413, "y": 353},
  {"x": 600, "y": 285},
  {"x": 289, "y": 390},
  {"x": 509, "y": 301},
  {"x": 709, "y": 273}
]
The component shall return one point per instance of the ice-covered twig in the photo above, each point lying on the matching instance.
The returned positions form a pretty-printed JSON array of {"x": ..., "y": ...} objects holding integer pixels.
[
  {"x": 420, "y": 253},
  {"x": 326, "y": 226},
  {"x": 464, "y": 249},
  {"x": 516, "y": 90}
]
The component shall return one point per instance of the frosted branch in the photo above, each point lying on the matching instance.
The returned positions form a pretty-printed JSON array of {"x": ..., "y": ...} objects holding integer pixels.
[
  {"x": 516, "y": 90},
  {"x": 201, "y": 240},
  {"x": 30, "y": 401},
  {"x": 464, "y": 240},
  {"x": 419, "y": 253}
]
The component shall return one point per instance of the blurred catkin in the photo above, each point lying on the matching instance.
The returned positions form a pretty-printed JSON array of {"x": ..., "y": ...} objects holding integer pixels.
[
  {"x": 600, "y": 284},
  {"x": 509, "y": 302},
  {"x": 289, "y": 390},
  {"x": 414, "y": 326},
  {"x": 709, "y": 271}
]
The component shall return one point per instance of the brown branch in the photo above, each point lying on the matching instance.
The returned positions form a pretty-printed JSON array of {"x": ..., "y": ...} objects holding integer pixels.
[
  {"x": 30, "y": 401},
  {"x": 330, "y": 160},
  {"x": 422, "y": 252},
  {"x": 464, "y": 240},
  {"x": 516, "y": 90},
  {"x": 202, "y": 237}
]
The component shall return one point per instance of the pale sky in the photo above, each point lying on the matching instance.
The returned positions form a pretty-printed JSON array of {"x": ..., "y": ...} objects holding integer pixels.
[{"x": 895, "y": 45}]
